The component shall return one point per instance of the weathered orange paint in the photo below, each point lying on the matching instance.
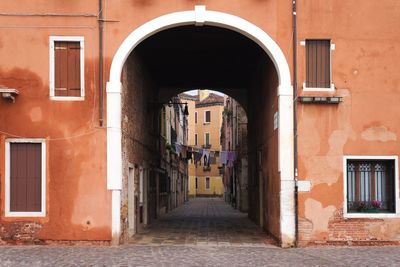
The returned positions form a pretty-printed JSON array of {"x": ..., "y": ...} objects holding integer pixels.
[{"x": 364, "y": 69}]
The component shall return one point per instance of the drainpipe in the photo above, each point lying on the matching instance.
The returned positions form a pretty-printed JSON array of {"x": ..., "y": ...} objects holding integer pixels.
[
  {"x": 296, "y": 200},
  {"x": 101, "y": 63}
]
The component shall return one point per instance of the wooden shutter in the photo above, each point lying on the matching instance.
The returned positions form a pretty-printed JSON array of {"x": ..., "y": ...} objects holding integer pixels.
[
  {"x": 318, "y": 67},
  {"x": 208, "y": 116},
  {"x": 25, "y": 177},
  {"x": 67, "y": 69}
]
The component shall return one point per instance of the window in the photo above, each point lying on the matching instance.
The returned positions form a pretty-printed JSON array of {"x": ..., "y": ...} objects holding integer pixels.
[
  {"x": 195, "y": 139},
  {"x": 207, "y": 139},
  {"x": 207, "y": 116},
  {"x": 318, "y": 65},
  {"x": 195, "y": 117},
  {"x": 196, "y": 184},
  {"x": 25, "y": 178},
  {"x": 370, "y": 185},
  {"x": 67, "y": 68},
  {"x": 207, "y": 183}
]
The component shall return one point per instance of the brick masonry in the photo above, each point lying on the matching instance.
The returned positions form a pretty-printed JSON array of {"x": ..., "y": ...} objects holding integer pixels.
[{"x": 351, "y": 231}]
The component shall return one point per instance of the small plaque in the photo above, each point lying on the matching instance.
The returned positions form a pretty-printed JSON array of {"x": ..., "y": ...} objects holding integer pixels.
[
  {"x": 303, "y": 186},
  {"x": 276, "y": 120}
]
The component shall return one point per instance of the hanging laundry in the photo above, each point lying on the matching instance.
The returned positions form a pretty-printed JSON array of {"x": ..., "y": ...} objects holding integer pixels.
[
  {"x": 212, "y": 158},
  {"x": 223, "y": 156},
  {"x": 178, "y": 148},
  {"x": 205, "y": 160},
  {"x": 197, "y": 157},
  {"x": 231, "y": 156},
  {"x": 189, "y": 156},
  {"x": 184, "y": 152}
]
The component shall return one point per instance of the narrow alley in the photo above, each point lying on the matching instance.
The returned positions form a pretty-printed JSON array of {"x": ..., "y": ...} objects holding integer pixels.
[{"x": 204, "y": 221}]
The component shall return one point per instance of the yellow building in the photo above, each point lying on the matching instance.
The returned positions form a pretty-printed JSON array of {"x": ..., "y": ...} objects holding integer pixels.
[{"x": 204, "y": 129}]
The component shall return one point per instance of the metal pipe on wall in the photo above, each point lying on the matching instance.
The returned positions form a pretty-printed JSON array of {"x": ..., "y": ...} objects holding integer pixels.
[
  {"x": 101, "y": 63},
  {"x": 294, "y": 10}
]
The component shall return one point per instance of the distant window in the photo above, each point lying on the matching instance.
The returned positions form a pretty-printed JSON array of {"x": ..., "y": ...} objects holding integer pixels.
[
  {"x": 195, "y": 139},
  {"x": 207, "y": 117},
  {"x": 196, "y": 184},
  {"x": 207, "y": 182},
  {"x": 370, "y": 186},
  {"x": 195, "y": 117},
  {"x": 318, "y": 63},
  {"x": 66, "y": 67},
  {"x": 207, "y": 139}
]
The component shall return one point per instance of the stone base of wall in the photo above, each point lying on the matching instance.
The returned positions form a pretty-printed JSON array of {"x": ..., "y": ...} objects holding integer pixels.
[
  {"x": 351, "y": 232},
  {"x": 20, "y": 233},
  {"x": 358, "y": 243}
]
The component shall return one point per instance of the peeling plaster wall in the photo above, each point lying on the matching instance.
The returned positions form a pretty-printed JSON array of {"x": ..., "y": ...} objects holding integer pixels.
[
  {"x": 365, "y": 73},
  {"x": 78, "y": 204}
]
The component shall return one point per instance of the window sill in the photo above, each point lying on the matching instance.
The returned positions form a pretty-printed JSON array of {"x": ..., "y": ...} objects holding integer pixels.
[
  {"x": 206, "y": 123},
  {"x": 317, "y": 89},
  {"x": 25, "y": 214},
  {"x": 371, "y": 215},
  {"x": 67, "y": 98}
]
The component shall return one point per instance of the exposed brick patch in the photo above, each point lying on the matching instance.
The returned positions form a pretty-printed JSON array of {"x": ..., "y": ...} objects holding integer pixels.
[
  {"x": 19, "y": 232},
  {"x": 352, "y": 232}
]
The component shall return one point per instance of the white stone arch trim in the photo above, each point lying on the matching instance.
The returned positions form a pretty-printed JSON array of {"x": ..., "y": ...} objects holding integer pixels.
[{"x": 200, "y": 16}]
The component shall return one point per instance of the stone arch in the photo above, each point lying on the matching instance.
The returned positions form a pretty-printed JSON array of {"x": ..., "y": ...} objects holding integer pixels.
[{"x": 200, "y": 16}]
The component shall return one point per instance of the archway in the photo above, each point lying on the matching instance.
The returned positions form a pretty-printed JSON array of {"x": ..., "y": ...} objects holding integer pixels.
[{"x": 200, "y": 16}]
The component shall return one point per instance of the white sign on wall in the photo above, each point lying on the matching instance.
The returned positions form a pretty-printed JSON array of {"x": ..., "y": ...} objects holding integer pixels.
[
  {"x": 303, "y": 186},
  {"x": 276, "y": 120}
]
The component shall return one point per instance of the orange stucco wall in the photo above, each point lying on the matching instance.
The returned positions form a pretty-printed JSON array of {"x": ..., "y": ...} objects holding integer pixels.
[
  {"x": 364, "y": 69},
  {"x": 365, "y": 73},
  {"x": 77, "y": 202}
]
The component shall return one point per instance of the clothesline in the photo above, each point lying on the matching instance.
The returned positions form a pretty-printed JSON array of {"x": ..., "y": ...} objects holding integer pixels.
[{"x": 209, "y": 156}]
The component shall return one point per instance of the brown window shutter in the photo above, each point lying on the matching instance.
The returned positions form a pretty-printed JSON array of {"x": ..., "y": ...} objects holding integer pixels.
[
  {"x": 208, "y": 116},
  {"x": 318, "y": 63},
  {"x": 67, "y": 69},
  {"x": 25, "y": 177},
  {"x": 74, "y": 67},
  {"x": 61, "y": 64}
]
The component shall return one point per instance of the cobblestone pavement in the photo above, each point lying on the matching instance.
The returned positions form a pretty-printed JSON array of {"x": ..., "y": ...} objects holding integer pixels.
[
  {"x": 204, "y": 221},
  {"x": 201, "y": 234}
]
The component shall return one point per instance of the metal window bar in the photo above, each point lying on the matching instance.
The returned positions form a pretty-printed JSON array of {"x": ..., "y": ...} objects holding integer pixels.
[{"x": 368, "y": 181}]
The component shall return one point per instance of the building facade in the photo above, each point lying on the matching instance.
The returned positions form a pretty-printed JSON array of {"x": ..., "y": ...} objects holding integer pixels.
[
  {"x": 78, "y": 118},
  {"x": 234, "y": 139},
  {"x": 205, "y": 119}
]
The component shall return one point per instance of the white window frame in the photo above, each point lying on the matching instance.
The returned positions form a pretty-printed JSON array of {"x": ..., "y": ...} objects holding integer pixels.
[
  {"x": 318, "y": 89},
  {"x": 54, "y": 39},
  {"x": 205, "y": 117},
  {"x": 8, "y": 212},
  {"x": 396, "y": 214},
  {"x": 205, "y": 183},
  {"x": 205, "y": 139}
]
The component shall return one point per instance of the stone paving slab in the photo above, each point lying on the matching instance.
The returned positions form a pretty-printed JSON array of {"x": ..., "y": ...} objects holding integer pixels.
[
  {"x": 204, "y": 221},
  {"x": 132, "y": 255},
  {"x": 202, "y": 233}
]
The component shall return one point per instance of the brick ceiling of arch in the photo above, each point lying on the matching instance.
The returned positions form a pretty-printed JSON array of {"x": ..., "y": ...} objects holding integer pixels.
[{"x": 190, "y": 57}]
